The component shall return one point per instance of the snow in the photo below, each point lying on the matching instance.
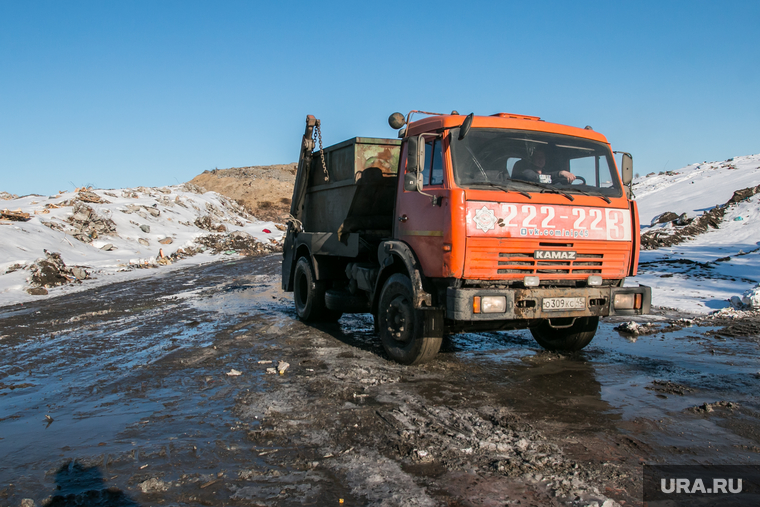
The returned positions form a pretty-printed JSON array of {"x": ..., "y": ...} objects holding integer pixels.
[
  {"x": 176, "y": 207},
  {"x": 702, "y": 274},
  {"x": 699, "y": 276}
]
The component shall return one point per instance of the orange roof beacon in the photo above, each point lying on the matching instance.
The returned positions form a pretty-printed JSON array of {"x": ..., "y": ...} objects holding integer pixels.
[{"x": 464, "y": 223}]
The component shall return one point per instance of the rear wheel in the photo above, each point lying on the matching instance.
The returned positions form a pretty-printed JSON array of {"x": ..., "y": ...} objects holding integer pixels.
[
  {"x": 402, "y": 327},
  {"x": 565, "y": 339},
  {"x": 309, "y": 295}
]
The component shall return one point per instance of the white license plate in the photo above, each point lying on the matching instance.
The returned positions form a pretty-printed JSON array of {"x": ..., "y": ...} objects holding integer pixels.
[{"x": 551, "y": 304}]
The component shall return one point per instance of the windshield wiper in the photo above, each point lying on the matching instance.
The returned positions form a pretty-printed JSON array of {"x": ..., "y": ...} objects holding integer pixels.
[
  {"x": 606, "y": 199},
  {"x": 507, "y": 189},
  {"x": 547, "y": 188}
]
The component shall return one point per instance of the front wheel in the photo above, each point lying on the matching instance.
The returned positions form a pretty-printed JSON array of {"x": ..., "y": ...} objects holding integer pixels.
[
  {"x": 309, "y": 295},
  {"x": 402, "y": 327},
  {"x": 565, "y": 339}
]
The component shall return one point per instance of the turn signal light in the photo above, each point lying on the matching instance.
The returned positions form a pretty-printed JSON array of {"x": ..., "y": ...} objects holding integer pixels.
[{"x": 476, "y": 304}]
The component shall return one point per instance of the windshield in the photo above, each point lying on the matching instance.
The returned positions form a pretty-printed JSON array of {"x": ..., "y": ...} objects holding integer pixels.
[{"x": 527, "y": 161}]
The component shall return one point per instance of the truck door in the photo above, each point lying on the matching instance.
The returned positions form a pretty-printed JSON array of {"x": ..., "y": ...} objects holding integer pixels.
[{"x": 420, "y": 218}]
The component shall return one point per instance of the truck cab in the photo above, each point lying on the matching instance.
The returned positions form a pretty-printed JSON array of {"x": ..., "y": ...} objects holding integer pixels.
[{"x": 498, "y": 222}]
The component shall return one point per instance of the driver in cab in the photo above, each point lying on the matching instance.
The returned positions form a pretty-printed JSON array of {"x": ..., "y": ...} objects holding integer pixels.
[{"x": 534, "y": 169}]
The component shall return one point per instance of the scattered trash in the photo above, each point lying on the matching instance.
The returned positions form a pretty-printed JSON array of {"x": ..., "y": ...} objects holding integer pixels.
[
  {"x": 282, "y": 367},
  {"x": 271, "y": 371},
  {"x": 635, "y": 328},
  {"x": 738, "y": 219},
  {"x": 234, "y": 373},
  {"x": 267, "y": 231},
  {"x": 264, "y": 362},
  {"x": 16, "y": 216}
]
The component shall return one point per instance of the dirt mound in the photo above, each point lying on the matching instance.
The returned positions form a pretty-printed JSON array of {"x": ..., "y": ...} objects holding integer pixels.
[{"x": 264, "y": 191}]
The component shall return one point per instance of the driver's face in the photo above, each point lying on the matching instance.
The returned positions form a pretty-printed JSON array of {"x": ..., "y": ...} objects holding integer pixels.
[{"x": 539, "y": 159}]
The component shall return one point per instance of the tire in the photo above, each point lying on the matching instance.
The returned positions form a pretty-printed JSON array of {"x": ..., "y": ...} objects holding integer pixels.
[
  {"x": 569, "y": 339},
  {"x": 309, "y": 295},
  {"x": 402, "y": 327}
]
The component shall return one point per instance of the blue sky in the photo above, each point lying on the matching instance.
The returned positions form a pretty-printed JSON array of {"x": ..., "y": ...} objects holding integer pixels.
[{"x": 121, "y": 94}]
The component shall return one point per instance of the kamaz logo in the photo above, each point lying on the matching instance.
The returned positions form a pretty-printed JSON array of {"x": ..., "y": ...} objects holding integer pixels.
[{"x": 554, "y": 255}]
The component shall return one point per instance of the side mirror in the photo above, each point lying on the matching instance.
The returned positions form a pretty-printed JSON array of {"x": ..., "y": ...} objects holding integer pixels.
[
  {"x": 415, "y": 159},
  {"x": 415, "y": 154},
  {"x": 413, "y": 182},
  {"x": 626, "y": 169},
  {"x": 466, "y": 124}
]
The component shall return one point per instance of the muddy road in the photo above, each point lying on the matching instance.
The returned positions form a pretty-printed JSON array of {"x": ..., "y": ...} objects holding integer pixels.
[{"x": 126, "y": 395}]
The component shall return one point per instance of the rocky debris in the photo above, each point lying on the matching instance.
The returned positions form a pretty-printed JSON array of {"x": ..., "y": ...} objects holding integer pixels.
[
  {"x": 153, "y": 486},
  {"x": 5, "y": 196},
  {"x": 166, "y": 241},
  {"x": 143, "y": 241},
  {"x": 15, "y": 267},
  {"x": 88, "y": 196},
  {"x": 192, "y": 188},
  {"x": 239, "y": 242},
  {"x": 142, "y": 210},
  {"x": 634, "y": 328},
  {"x": 15, "y": 216},
  {"x": 108, "y": 247},
  {"x": 88, "y": 225},
  {"x": 663, "y": 218},
  {"x": 51, "y": 271},
  {"x": 680, "y": 228},
  {"x": 749, "y": 301},
  {"x": 668, "y": 387},
  {"x": 706, "y": 408},
  {"x": 145, "y": 229}
]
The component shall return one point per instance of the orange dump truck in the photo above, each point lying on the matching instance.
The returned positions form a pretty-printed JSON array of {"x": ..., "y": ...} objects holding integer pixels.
[{"x": 464, "y": 223}]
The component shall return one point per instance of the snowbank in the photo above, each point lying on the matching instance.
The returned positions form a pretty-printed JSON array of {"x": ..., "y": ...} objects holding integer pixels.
[
  {"x": 112, "y": 234},
  {"x": 702, "y": 274}
]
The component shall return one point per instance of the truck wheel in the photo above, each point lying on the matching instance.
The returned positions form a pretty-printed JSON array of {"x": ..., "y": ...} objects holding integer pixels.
[
  {"x": 309, "y": 295},
  {"x": 401, "y": 326},
  {"x": 568, "y": 339}
]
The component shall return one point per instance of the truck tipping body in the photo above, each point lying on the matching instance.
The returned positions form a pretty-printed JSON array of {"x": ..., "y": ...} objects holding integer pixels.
[{"x": 467, "y": 223}]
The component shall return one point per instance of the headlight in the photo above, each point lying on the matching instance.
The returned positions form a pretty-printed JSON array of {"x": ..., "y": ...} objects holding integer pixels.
[
  {"x": 489, "y": 304},
  {"x": 624, "y": 301}
]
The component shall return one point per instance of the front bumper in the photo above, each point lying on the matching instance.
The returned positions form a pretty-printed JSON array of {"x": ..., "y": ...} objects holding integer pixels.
[{"x": 528, "y": 303}]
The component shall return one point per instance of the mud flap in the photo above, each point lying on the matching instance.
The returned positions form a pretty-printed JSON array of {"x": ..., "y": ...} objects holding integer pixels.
[{"x": 433, "y": 322}]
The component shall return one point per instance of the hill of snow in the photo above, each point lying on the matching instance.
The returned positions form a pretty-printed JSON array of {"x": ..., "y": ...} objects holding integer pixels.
[
  {"x": 702, "y": 274},
  {"x": 105, "y": 236}
]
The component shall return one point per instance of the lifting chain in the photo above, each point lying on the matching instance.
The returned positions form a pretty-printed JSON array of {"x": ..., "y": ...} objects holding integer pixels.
[{"x": 318, "y": 136}]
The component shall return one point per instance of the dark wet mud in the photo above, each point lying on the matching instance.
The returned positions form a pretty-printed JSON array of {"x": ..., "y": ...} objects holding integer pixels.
[{"x": 129, "y": 395}]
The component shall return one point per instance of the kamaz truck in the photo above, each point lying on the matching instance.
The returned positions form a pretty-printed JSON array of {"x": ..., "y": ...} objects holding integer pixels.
[{"x": 464, "y": 223}]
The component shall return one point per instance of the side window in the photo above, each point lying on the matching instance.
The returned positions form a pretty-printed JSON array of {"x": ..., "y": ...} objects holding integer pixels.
[
  {"x": 428, "y": 159},
  {"x": 436, "y": 164}
]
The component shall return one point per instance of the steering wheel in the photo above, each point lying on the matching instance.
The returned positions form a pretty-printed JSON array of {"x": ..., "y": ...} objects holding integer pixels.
[{"x": 583, "y": 180}]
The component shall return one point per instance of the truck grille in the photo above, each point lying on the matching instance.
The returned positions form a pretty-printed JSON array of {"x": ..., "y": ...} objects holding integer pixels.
[
  {"x": 509, "y": 258},
  {"x": 524, "y": 263}
]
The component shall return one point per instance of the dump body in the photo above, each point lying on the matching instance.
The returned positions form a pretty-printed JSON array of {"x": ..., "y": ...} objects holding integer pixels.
[{"x": 359, "y": 193}]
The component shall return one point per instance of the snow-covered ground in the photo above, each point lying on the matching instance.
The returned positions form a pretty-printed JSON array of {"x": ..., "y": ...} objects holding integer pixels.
[
  {"x": 147, "y": 222},
  {"x": 704, "y": 273},
  {"x": 697, "y": 276}
]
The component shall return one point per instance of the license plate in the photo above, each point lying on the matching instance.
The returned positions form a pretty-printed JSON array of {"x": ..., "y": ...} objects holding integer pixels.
[{"x": 551, "y": 304}]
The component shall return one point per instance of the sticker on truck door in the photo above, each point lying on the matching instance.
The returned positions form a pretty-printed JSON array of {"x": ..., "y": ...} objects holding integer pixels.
[{"x": 547, "y": 221}]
